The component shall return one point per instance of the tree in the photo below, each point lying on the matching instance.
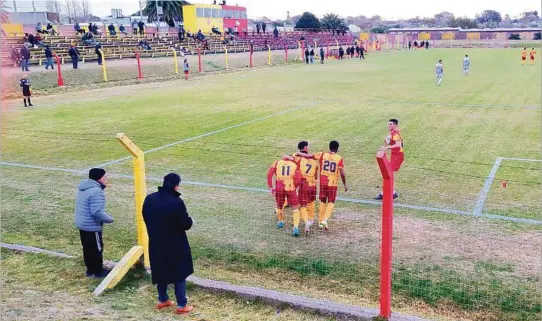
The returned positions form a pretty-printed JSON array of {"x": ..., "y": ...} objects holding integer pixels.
[
  {"x": 172, "y": 11},
  {"x": 79, "y": 11},
  {"x": 490, "y": 18},
  {"x": 514, "y": 36},
  {"x": 463, "y": 23},
  {"x": 308, "y": 21},
  {"x": 379, "y": 29},
  {"x": 537, "y": 36},
  {"x": 332, "y": 21},
  {"x": 4, "y": 14},
  {"x": 444, "y": 19}
]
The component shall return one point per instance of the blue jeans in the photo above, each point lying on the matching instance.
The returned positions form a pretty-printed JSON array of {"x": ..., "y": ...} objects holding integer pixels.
[
  {"x": 24, "y": 64},
  {"x": 49, "y": 63},
  {"x": 180, "y": 293}
]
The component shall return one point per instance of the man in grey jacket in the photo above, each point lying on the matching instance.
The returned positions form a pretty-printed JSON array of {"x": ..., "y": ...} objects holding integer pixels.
[{"x": 89, "y": 218}]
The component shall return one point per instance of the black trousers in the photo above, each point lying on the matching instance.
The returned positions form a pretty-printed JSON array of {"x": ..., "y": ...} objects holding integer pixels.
[{"x": 92, "y": 251}]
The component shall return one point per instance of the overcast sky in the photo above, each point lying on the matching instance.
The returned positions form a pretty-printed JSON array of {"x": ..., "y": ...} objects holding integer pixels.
[{"x": 388, "y": 9}]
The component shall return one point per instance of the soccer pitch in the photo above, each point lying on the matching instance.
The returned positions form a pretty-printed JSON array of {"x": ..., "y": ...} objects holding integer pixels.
[{"x": 456, "y": 225}]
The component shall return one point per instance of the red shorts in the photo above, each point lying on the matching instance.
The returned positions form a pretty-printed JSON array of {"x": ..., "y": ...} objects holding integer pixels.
[
  {"x": 307, "y": 194},
  {"x": 328, "y": 194},
  {"x": 282, "y": 195},
  {"x": 396, "y": 161},
  {"x": 186, "y": 72},
  {"x": 523, "y": 58},
  {"x": 532, "y": 57}
]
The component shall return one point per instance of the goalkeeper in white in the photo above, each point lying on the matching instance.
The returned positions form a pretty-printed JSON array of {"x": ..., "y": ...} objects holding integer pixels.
[{"x": 466, "y": 65}]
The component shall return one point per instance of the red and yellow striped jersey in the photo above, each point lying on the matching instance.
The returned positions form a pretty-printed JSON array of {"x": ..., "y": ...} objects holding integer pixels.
[
  {"x": 308, "y": 168},
  {"x": 287, "y": 175},
  {"x": 330, "y": 166},
  {"x": 524, "y": 54},
  {"x": 394, "y": 137}
]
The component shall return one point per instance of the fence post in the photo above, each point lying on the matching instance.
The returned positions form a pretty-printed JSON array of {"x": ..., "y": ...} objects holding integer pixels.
[
  {"x": 251, "y": 53},
  {"x": 286, "y": 54},
  {"x": 60, "y": 80},
  {"x": 387, "y": 234},
  {"x": 199, "y": 60},
  {"x": 104, "y": 67},
  {"x": 175, "y": 62},
  {"x": 226, "y": 57},
  {"x": 268, "y": 55},
  {"x": 139, "y": 73}
]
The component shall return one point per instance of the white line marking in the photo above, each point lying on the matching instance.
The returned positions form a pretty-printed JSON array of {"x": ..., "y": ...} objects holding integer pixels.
[
  {"x": 425, "y": 103},
  {"x": 211, "y": 133},
  {"x": 487, "y": 185},
  {"x": 263, "y": 190},
  {"x": 31, "y": 249},
  {"x": 522, "y": 159}
]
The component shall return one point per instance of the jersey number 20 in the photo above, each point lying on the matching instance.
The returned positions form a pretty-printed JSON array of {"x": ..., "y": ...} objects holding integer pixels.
[{"x": 330, "y": 166}]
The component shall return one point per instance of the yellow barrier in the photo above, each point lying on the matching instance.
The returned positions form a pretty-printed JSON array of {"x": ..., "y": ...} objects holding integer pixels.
[
  {"x": 363, "y": 36},
  {"x": 104, "y": 67},
  {"x": 175, "y": 62},
  {"x": 12, "y": 28},
  {"x": 226, "y": 57}
]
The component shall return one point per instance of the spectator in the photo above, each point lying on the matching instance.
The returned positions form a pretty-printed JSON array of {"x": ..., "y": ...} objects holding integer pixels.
[
  {"x": 97, "y": 50},
  {"x": 409, "y": 44},
  {"x": 25, "y": 57},
  {"x": 37, "y": 40},
  {"x": 263, "y": 27},
  {"x": 90, "y": 27},
  {"x": 245, "y": 30},
  {"x": 352, "y": 50},
  {"x": 200, "y": 36},
  {"x": 39, "y": 28},
  {"x": 78, "y": 29},
  {"x": 258, "y": 27},
  {"x": 341, "y": 53},
  {"x": 276, "y": 32},
  {"x": 49, "y": 57},
  {"x": 74, "y": 55},
  {"x": 186, "y": 68},
  {"x": 311, "y": 55},
  {"x": 143, "y": 44},
  {"x": 122, "y": 29},
  {"x": 415, "y": 44},
  {"x": 422, "y": 44},
  {"x": 307, "y": 53},
  {"x": 88, "y": 39},
  {"x": 236, "y": 31},
  {"x": 167, "y": 221},
  {"x": 361, "y": 50},
  {"x": 31, "y": 40},
  {"x": 427, "y": 45},
  {"x": 181, "y": 34},
  {"x": 15, "y": 56},
  {"x": 90, "y": 216},
  {"x": 141, "y": 26},
  {"x": 216, "y": 31},
  {"x": 111, "y": 29},
  {"x": 134, "y": 26},
  {"x": 322, "y": 55},
  {"x": 347, "y": 51},
  {"x": 51, "y": 30},
  {"x": 25, "y": 86}
]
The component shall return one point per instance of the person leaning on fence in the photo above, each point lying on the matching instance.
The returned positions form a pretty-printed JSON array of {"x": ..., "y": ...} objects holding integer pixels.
[
  {"x": 74, "y": 55},
  {"x": 167, "y": 221},
  {"x": 25, "y": 86},
  {"x": 90, "y": 216}
]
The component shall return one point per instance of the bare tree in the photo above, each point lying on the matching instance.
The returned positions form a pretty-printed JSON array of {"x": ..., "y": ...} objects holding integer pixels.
[{"x": 85, "y": 10}]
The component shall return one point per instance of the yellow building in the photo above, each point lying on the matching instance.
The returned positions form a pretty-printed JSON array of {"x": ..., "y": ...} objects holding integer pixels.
[{"x": 203, "y": 17}]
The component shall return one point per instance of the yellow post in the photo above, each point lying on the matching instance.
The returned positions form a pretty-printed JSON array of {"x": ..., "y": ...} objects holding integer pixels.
[
  {"x": 226, "y": 54},
  {"x": 104, "y": 67},
  {"x": 133, "y": 256},
  {"x": 140, "y": 188},
  {"x": 175, "y": 62},
  {"x": 315, "y": 44},
  {"x": 83, "y": 59},
  {"x": 298, "y": 54},
  {"x": 268, "y": 55}
]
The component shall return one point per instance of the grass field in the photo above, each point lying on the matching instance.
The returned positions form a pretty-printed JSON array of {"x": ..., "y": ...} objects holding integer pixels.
[{"x": 450, "y": 266}]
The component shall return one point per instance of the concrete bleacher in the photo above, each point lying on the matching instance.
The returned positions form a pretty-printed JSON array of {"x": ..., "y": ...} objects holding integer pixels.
[{"x": 163, "y": 44}]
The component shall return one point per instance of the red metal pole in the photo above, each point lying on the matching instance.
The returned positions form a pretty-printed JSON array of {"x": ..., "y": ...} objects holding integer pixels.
[
  {"x": 387, "y": 234},
  {"x": 139, "y": 73},
  {"x": 251, "y": 53},
  {"x": 199, "y": 60},
  {"x": 59, "y": 71}
]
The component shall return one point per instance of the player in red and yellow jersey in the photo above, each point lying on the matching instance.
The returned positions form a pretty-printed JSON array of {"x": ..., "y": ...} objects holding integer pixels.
[
  {"x": 331, "y": 167},
  {"x": 394, "y": 141},
  {"x": 532, "y": 55},
  {"x": 307, "y": 189},
  {"x": 524, "y": 56},
  {"x": 287, "y": 178}
]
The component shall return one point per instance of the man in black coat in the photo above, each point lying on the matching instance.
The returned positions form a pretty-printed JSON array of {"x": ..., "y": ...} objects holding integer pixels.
[
  {"x": 74, "y": 55},
  {"x": 97, "y": 50},
  {"x": 167, "y": 221}
]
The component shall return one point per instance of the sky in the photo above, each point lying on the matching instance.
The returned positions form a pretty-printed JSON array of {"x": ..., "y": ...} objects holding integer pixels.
[{"x": 388, "y": 9}]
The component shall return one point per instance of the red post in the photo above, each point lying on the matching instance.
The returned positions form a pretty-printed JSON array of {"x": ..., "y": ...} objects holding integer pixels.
[
  {"x": 286, "y": 53},
  {"x": 327, "y": 54},
  {"x": 139, "y": 73},
  {"x": 251, "y": 53},
  {"x": 199, "y": 60},
  {"x": 387, "y": 234},
  {"x": 59, "y": 71}
]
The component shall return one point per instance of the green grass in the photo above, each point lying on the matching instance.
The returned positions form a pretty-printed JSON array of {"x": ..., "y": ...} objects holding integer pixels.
[{"x": 458, "y": 267}]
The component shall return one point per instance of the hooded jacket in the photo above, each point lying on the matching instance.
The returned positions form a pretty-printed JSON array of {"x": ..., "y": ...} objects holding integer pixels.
[{"x": 90, "y": 206}]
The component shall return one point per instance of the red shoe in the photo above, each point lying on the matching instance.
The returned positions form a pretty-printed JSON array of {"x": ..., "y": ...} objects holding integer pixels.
[
  {"x": 186, "y": 309},
  {"x": 166, "y": 304}
]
